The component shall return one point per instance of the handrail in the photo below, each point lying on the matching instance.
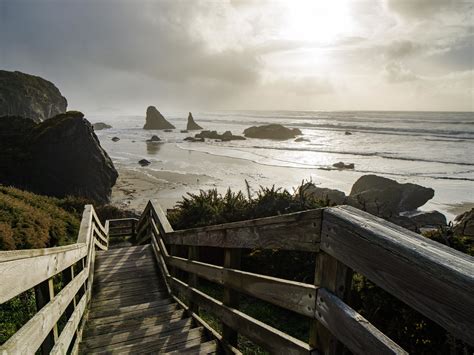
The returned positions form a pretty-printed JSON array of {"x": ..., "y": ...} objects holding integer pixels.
[
  {"x": 422, "y": 273},
  {"x": 22, "y": 270}
]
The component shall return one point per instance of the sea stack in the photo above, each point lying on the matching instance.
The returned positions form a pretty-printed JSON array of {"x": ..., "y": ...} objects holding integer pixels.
[
  {"x": 155, "y": 120},
  {"x": 192, "y": 126}
]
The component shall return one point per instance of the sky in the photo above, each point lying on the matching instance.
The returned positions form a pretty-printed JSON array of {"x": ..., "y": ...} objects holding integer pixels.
[{"x": 121, "y": 56}]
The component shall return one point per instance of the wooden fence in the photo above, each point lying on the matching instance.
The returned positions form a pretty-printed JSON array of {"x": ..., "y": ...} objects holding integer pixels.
[
  {"x": 433, "y": 279},
  {"x": 38, "y": 269}
]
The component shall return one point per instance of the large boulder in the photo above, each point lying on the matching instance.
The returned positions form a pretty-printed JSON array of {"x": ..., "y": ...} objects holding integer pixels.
[
  {"x": 98, "y": 126},
  {"x": 272, "y": 131},
  {"x": 155, "y": 120},
  {"x": 465, "y": 224},
  {"x": 386, "y": 197},
  {"x": 192, "y": 125},
  {"x": 427, "y": 219},
  {"x": 29, "y": 96},
  {"x": 59, "y": 157},
  {"x": 332, "y": 196}
]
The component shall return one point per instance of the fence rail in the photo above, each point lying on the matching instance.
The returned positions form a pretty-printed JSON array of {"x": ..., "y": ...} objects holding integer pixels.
[
  {"x": 37, "y": 268},
  {"x": 433, "y": 279}
]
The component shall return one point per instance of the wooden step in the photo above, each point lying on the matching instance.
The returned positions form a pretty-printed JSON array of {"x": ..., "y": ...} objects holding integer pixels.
[
  {"x": 129, "y": 336},
  {"x": 108, "y": 311},
  {"x": 109, "y": 328},
  {"x": 150, "y": 272},
  {"x": 132, "y": 257},
  {"x": 99, "y": 269},
  {"x": 122, "y": 301},
  {"x": 139, "y": 279},
  {"x": 113, "y": 292},
  {"x": 141, "y": 313},
  {"x": 135, "y": 248},
  {"x": 172, "y": 341},
  {"x": 209, "y": 347}
]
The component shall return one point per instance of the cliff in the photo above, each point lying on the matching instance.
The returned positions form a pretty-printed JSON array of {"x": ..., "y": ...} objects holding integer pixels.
[{"x": 29, "y": 96}]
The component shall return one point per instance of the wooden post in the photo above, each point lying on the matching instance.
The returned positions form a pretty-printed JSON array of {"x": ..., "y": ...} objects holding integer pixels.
[
  {"x": 337, "y": 278},
  {"x": 232, "y": 259},
  {"x": 193, "y": 254},
  {"x": 44, "y": 292},
  {"x": 134, "y": 232}
]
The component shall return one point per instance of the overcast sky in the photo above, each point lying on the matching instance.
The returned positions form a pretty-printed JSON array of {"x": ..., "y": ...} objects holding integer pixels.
[{"x": 113, "y": 55}]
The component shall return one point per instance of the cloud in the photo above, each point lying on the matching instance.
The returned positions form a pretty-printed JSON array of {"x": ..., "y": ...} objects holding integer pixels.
[
  {"x": 394, "y": 72},
  {"x": 401, "y": 48},
  {"x": 423, "y": 9}
]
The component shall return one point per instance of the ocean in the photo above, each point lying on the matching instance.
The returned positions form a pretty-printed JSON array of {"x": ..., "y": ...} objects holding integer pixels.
[{"x": 434, "y": 149}]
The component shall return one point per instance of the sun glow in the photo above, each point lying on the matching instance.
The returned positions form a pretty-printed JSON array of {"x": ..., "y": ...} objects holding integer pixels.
[{"x": 316, "y": 21}]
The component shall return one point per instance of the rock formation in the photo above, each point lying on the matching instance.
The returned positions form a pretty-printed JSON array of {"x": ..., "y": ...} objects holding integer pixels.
[
  {"x": 115, "y": 139},
  {"x": 29, "y": 96},
  {"x": 301, "y": 139},
  {"x": 155, "y": 120},
  {"x": 342, "y": 165},
  {"x": 465, "y": 224},
  {"x": 386, "y": 197},
  {"x": 58, "y": 157},
  {"x": 192, "y": 126},
  {"x": 154, "y": 139},
  {"x": 225, "y": 137},
  {"x": 100, "y": 126},
  {"x": 144, "y": 162},
  {"x": 272, "y": 131}
]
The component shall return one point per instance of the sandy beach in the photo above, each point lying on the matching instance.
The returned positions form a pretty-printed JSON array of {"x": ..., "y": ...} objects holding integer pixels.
[{"x": 176, "y": 171}]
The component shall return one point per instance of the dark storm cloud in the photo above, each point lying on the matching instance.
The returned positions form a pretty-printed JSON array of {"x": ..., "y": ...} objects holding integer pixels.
[{"x": 71, "y": 40}]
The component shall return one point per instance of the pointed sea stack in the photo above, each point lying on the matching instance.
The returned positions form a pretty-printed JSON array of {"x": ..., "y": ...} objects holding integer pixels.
[
  {"x": 155, "y": 120},
  {"x": 192, "y": 126}
]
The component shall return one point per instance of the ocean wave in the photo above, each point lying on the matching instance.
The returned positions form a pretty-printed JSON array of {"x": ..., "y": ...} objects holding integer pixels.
[{"x": 384, "y": 155}]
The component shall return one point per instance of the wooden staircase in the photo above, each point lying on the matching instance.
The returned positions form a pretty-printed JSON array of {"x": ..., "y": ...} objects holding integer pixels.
[
  {"x": 131, "y": 311},
  {"x": 93, "y": 298}
]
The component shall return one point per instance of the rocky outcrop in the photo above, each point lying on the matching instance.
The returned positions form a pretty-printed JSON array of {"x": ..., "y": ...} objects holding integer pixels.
[
  {"x": 331, "y": 196},
  {"x": 154, "y": 139},
  {"x": 301, "y": 139},
  {"x": 465, "y": 224},
  {"x": 144, "y": 162},
  {"x": 29, "y": 96},
  {"x": 387, "y": 197},
  {"x": 225, "y": 137},
  {"x": 341, "y": 165},
  {"x": 155, "y": 120},
  {"x": 192, "y": 139},
  {"x": 192, "y": 125},
  {"x": 100, "y": 126},
  {"x": 272, "y": 131},
  {"x": 58, "y": 157}
]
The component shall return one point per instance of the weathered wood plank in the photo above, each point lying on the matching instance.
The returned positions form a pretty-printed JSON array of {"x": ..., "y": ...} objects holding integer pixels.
[
  {"x": 21, "y": 274},
  {"x": 270, "y": 338},
  {"x": 422, "y": 273},
  {"x": 127, "y": 335},
  {"x": 119, "y": 326},
  {"x": 106, "y": 312},
  {"x": 70, "y": 328},
  {"x": 360, "y": 336},
  {"x": 38, "y": 327},
  {"x": 295, "y": 231},
  {"x": 295, "y": 296}
]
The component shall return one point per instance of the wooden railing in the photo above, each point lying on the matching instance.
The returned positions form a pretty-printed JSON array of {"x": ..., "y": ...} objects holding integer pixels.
[
  {"x": 433, "y": 279},
  {"x": 38, "y": 269}
]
